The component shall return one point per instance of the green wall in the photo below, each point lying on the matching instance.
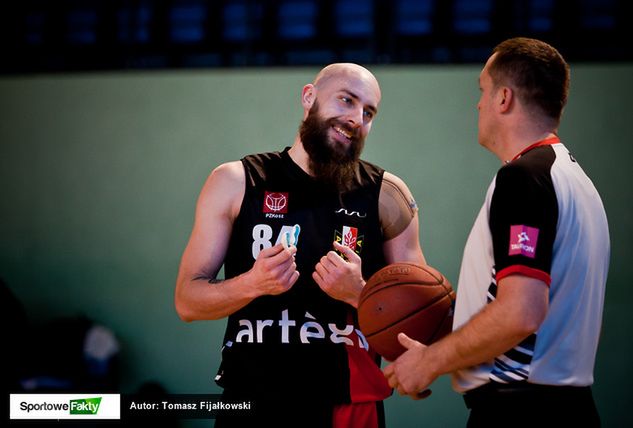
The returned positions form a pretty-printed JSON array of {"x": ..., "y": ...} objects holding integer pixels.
[{"x": 99, "y": 175}]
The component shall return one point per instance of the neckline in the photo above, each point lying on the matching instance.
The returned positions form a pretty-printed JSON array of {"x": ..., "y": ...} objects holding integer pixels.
[
  {"x": 546, "y": 142},
  {"x": 293, "y": 167}
]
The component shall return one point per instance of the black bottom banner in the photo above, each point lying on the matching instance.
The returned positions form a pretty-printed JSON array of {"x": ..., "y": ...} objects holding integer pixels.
[{"x": 182, "y": 406}]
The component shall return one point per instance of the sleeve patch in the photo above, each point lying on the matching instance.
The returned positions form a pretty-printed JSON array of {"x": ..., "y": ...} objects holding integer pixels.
[{"x": 523, "y": 240}]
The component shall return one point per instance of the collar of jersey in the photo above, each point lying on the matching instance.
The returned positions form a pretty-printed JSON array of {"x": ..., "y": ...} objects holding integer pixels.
[
  {"x": 545, "y": 142},
  {"x": 295, "y": 169}
]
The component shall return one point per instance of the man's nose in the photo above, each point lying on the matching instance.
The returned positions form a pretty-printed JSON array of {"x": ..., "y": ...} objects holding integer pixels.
[{"x": 355, "y": 118}]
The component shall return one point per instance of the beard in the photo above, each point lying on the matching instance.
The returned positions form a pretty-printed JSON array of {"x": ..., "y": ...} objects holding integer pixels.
[{"x": 333, "y": 163}]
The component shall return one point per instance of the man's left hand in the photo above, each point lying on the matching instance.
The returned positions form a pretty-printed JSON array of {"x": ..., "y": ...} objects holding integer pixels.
[{"x": 341, "y": 279}]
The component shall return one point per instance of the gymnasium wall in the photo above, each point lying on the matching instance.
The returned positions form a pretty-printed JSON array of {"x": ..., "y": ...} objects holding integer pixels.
[{"x": 99, "y": 175}]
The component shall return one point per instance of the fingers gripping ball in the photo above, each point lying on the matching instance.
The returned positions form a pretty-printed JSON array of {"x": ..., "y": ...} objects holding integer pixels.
[
  {"x": 404, "y": 297},
  {"x": 288, "y": 239}
]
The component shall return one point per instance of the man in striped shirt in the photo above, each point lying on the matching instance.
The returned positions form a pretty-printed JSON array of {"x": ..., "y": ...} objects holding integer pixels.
[{"x": 531, "y": 287}]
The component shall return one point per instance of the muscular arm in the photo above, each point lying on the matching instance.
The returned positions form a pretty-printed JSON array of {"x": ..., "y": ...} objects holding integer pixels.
[
  {"x": 517, "y": 312},
  {"x": 218, "y": 206},
  {"x": 399, "y": 219}
]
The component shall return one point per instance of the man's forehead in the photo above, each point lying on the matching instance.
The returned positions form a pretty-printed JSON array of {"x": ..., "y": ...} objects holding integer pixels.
[
  {"x": 361, "y": 87},
  {"x": 486, "y": 68}
]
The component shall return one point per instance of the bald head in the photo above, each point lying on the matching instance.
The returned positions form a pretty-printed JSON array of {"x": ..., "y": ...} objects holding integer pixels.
[
  {"x": 339, "y": 107},
  {"x": 347, "y": 71},
  {"x": 343, "y": 81}
]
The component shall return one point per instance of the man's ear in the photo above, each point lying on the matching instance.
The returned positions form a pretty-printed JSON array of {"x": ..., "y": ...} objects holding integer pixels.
[
  {"x": 506, "y": 98},
  {"x": 308, "y": 95}
]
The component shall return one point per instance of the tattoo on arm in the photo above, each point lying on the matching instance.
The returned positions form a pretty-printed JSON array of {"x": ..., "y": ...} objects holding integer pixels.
[{"x": 209, "y": 280}]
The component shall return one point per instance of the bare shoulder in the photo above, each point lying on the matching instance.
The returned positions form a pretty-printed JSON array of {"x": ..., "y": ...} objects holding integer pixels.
[
  {"x": 225, "y": 187},
  {"x": 394, "y": 180},
  {"x": 396, "y": 206},
  {"x": 229, "y": 173},
  {"x": 393, "y": 186}
]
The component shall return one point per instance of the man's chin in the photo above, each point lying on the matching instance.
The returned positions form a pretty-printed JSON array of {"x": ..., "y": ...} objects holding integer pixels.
[{"x": 342, "y": 151}]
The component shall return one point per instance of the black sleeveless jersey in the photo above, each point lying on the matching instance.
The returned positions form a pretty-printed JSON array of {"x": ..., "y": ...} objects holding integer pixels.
[{"x": 298, "y": 342}]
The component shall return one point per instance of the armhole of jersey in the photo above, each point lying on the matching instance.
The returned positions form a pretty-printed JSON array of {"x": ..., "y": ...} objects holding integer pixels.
[{"x": 248, "y": 187}]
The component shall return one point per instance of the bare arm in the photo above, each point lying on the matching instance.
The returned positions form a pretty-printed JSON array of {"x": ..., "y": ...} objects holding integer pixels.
[
  {"x": 399, "y": 217},
  {"x": 273, "y": 272},
  {"x": 517, "y": 312}
]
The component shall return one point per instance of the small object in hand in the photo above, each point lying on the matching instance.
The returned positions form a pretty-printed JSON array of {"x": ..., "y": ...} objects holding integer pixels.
[{"x": 289, "y": 239}]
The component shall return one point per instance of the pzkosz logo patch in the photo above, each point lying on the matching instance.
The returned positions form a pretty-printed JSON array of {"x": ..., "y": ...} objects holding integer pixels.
[
  {"x": 350, "y": 238},
  {"x": 275, "y": 204}
]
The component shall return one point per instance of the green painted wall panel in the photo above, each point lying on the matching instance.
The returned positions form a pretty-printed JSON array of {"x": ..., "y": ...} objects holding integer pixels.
[{"x": 99, "y": 174}]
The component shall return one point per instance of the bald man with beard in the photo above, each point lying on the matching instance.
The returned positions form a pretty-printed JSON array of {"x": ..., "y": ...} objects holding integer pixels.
[{"x": 298, "y": 232}]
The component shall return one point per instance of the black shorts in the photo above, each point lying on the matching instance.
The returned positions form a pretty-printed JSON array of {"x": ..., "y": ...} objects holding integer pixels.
[{"x": 522, "y": 404}]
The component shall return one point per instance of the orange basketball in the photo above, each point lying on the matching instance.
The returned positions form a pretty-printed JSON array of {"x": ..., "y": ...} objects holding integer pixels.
[{"x": 405, "y": 297}]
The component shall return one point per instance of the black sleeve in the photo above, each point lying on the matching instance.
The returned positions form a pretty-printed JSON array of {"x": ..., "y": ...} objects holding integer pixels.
[{"x": 523, "y": 218}]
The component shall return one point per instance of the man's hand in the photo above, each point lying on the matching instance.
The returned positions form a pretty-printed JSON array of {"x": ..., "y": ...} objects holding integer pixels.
[
  {"x": 341, "y": 279},
  {"x": 274, "y": 271},
  {"x": 409, "y": 374}
]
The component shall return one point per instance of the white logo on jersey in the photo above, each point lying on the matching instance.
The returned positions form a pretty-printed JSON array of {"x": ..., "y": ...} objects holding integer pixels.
[
  {"x": 352, "y": 213},
  {"x": 276, "y": 202},
  {"x": 523, "y": 236},
  {"x": 252, "y": 331}
]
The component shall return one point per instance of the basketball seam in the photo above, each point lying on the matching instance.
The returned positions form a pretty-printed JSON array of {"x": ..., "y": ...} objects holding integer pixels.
[
  {"x": 409, "y": 315},
  {"x": 373, "y": 291}
]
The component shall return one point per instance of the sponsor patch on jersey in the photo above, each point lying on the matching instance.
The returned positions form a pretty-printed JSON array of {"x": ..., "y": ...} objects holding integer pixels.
[
  {"x": 523, "y": 241},
  {"x": 351, "y": 213},
  {"x": 275, "y": 203},
  {"x": 350, "y": 238}
]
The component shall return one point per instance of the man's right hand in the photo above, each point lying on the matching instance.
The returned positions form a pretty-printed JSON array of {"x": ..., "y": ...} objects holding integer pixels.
[{"x": 275, "y": 270}]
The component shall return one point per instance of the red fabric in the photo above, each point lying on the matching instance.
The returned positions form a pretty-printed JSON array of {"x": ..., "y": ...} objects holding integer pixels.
[
  {"x": 545, "y": 142},
  {"x": 355, "y": 415},
  {"x": 524, "y": 270},
  {"x": 367, "y": 382}
]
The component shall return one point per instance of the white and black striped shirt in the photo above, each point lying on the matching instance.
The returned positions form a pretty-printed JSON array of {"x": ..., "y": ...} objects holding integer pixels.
[{"x": 542, "y": 218}]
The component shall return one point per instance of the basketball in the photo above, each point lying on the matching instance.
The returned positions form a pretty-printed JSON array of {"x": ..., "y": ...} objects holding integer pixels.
[{"x": 404, "y": 297}]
